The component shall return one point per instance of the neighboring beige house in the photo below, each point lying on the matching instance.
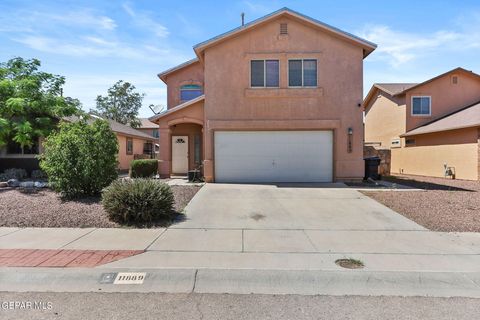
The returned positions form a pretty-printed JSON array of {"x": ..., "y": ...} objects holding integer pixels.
[
  {"x": 151, "y": 128},
  {"x": 432, "y": 128},
  {"x": 132, "y": 143},
  {"x": 275, "y": 100},
  {"x": 148, "y": 127}
]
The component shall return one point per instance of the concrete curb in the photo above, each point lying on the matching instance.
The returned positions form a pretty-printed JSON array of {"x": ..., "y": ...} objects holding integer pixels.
[{"x": 349, "y": 282}]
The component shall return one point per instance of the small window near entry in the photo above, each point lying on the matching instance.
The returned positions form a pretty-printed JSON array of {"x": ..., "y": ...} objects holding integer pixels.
[
  {"x": 147, "y": 148},
  {"x": 410, "y": 142},
  {"x": 421, "y": 106},
  {"x": 196, "y": 149},
  {"x": 395, "y": 143},
  {"x": 129, "y": 146},
  {"x": 190, "y": 91},
  {"x": 302, "y": 73},
  {"x": 264, "y": 73}
]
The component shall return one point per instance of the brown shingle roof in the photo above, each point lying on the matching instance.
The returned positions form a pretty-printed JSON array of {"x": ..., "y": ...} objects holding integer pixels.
[
  {"x": 463, "y": 118},
  {"x": 116, "y": 127},
  {"x": 147, "y": 124},
  {"x": 394, "y": 88}
]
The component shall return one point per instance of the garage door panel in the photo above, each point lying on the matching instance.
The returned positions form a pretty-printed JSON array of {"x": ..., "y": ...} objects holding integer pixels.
[{"x": 273, "y": 156}]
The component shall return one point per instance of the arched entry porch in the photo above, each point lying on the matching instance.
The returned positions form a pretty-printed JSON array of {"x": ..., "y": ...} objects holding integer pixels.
[{"x": 181, "y": 138}]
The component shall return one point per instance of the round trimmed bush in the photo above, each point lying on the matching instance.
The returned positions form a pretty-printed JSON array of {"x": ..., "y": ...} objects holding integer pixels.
[
  {"x": 143, "y": 168},
  {"x": 138, "y": 201}
]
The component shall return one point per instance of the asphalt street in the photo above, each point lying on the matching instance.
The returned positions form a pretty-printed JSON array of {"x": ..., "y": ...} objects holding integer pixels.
[{"x": 227, "y": 306}]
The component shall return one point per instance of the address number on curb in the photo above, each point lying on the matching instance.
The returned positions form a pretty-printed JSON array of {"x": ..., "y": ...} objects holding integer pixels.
[{"x": 129, "y": 278}]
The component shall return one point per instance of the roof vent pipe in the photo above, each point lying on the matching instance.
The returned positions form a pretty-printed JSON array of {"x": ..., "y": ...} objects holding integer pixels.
[{"x": 243, "y": 18}]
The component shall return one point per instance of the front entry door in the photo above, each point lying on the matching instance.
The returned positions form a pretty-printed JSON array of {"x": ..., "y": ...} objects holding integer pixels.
[{"x": 180, "y": 154}]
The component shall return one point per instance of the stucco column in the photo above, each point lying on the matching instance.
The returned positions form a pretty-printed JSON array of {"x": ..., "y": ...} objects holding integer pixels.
[
  {"x": 208, "y": 161},
  {"x": 165, "y": 154}
]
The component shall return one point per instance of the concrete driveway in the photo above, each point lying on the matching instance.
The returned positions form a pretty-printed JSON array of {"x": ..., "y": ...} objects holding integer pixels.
[
  {"x": 289, "y": 207},
  {"x": 302, "y": 227}
]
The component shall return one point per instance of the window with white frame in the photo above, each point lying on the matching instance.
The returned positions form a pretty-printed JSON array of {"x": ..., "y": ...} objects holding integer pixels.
[
  {"x": 421, "y": 106},
  {"x": 302, "y": 73},
  {"x": 395, "y": 143},
  {"x": 264, "y": 73}
]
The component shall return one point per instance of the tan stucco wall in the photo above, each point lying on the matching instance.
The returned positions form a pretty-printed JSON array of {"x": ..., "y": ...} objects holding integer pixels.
[
  {"x": 384, "y": 119},
  {"x": 446, "y": 97},
  {"x": 191, "y": 74},
  {"x": 456, "y": 148},
  {"x": 231, "y": 104},
  {"x": 124, "y": 159}
]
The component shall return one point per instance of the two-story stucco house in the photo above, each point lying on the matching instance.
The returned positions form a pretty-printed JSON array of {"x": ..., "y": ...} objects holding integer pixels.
[
  {"x": 275, "y": 100},
  {"x": 432, "y": 128}
]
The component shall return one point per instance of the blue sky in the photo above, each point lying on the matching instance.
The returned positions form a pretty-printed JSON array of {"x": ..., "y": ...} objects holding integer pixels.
[{"x": 95, "y": 43}]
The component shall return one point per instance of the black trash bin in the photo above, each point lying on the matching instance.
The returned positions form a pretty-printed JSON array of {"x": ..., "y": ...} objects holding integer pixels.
[
  {"x": 371, "y": 168},
  {"x": 193, "y": 175}
]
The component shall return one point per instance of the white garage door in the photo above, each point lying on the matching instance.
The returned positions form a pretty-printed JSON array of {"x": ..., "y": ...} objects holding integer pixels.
[{"x": 273, "y": 156}]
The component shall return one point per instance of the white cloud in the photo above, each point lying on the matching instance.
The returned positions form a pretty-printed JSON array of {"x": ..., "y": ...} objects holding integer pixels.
[
  {"x": 97, "y": 47},
  {"x": 144, "y": 20},
  {"x": 84, "y": 17},
  {"x": 400, "y": 47}
]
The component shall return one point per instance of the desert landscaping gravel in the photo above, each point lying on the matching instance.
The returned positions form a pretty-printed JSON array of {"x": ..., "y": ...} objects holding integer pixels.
[
  {"x": 444, "y": 205},
  {"x": 45, "y": 208}
]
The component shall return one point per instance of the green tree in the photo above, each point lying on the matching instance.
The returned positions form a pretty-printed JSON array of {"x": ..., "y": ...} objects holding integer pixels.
[
  {"x": 31, "y": 101},
  {"x": 80, "y": 158},
  {"x": 121, "y": 104}
]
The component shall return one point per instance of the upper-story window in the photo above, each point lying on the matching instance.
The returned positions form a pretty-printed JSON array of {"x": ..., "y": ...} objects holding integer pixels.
[
  {"x": 302, "y": 73},
  {"x": 190, "y": 91},
  {"x": 421, "y": 106},
  {"x": 155, "y": 133},
  {"x": 264, "y": 73}
]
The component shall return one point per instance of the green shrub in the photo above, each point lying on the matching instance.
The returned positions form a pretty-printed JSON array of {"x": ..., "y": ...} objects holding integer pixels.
[
  {"x": 80, "y": 159},
  {"x": 138, "y": 201},
  {"x": 144, "y": 168},
  {"x": 13, "y": 173}
]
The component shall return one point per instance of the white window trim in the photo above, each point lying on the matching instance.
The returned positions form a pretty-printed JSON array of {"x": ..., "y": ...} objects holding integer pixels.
[
  {"x": 421, "y": 115},
  {"x": 303, "y": 71},
  {"x": 395, "y": 145},
  {"x": 264, "y": 74}
]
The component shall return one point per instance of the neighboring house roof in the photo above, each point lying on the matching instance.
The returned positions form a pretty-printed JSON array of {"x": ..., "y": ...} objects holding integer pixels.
[
  {"x": 464, "y": 118},
  {"x": 177, "y": 108},
  {"x": 115, "y": 126},
  {"x": 367, "y": 45},
  {"x": 456, "y": 70},
  {"x": 147, "y": 124},
  {"x": 389, "y": 88},
  {"x": 163, "y": 74}
]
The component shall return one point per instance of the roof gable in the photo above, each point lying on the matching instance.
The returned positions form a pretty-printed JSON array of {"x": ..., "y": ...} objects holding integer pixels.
[
  {"x": 391, "y": 89},
  {"x": 367, "y": 46},
  {"x": 456, "y": 70}
]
